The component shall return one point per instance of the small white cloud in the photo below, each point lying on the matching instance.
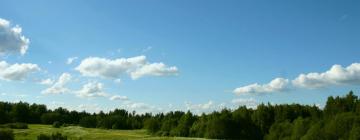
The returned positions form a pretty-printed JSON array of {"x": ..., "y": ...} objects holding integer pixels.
[
  {"x": 94, "y": 108},
  {"x": 11, "y": 39},
  {"x": 136, "y": 67},
  {"x": 276, "y": 85},
  {"x": 154, "y": 69},
  {"x": 91, "y": 89},
  {"x": 16, "y": 72},
  {"x": 71, "y": 60},
  {"x": 47, "y": 81},
  {"x": 118, "y": 97},
  {"x": 200, "y": 108},
  {"x": 107, "y": 68},
  {"x": 59, "y": 86},
  {"x": 251, "y": 102},
  {"x": 337, "y": 75},
  {"x": 117, "y": 81}
]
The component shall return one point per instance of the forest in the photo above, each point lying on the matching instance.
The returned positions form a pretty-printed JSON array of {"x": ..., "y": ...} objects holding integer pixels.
[{"x": 339, "y": 119}]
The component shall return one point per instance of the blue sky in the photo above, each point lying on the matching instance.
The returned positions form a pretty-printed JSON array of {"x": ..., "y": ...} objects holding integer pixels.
[{"x": 197, "y": 53}]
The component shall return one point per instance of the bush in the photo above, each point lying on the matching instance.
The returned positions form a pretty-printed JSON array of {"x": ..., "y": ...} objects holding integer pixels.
[
  {"x": 56, "y": 136},
  {"x": 6, "y": 134},
  {"x": 15, "y": 126},
  {"x": 56, "y": 124}
]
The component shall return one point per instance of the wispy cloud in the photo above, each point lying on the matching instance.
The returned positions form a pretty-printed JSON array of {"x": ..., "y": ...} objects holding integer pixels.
[{"x": 59, "y": 86}]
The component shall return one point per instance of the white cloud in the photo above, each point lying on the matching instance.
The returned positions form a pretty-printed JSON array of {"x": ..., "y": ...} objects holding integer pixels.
[
  {"x": 91, "y": 89},
  {"x": 107, "y": 68},
  {"x": 71, "y": 60},
  {"x": 154, "y": 69},
  {"x": 59, "y": 86},
  {"x": 141, "y": 108},
  {"x": 250, "y": 102},
  {"x": 94, "y": 108},
  {"x": 337, "y": 75},
  {"x": 136, "y": 67},
  {"x": 47, "y": 81},
  {"x": 199, "y": 108},
  {"x": 276, "y": 85},
  {"x": 16, "y": 72},
  {"x": 11, "y": 39},
  {"x": 118, "y": 97},
  {"x": 118, "y": 81}
]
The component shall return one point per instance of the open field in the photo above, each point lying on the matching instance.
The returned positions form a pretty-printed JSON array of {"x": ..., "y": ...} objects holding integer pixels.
[{"x": 77, "y": 133}]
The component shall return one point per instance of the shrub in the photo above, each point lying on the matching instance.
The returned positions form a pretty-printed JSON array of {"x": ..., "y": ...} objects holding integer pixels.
[
  {"x": 56, "y": 136},
  {"x": 15, "y": 126},
  {"x": 6, "y": 134},
  {"x": 56, "y": 124},
  {"x": 43, "y": 137}
]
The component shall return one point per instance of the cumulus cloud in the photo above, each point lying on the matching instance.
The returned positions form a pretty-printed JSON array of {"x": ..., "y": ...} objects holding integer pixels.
[
  {"x": 154, "y": 69},
  {"x": 250, "y": 102},
  {"x": 91, "y": 89},
  {"x": 199, "y": 108},
  {"x": 141, "y": 107},
  {"x": 47, "y": 81},
  {"x": 136, "y": 67},
  {"x": 71, "y": 60},
  {"x": 16, "y": 72},
  {"x": 276, "y": 85},
  {"x": 59, "y": 86},
  {"x": 107, "y": 68},
  {"x": 118, "y": 97},
  {"x": 11, "y": 39},
  {"x": 336, "y": 75}
]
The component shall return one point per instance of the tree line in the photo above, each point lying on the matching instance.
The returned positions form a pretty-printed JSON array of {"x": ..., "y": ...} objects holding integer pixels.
[{"x": 339, "y": 119}]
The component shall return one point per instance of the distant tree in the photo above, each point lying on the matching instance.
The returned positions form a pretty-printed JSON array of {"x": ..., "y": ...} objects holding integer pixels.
[
  {"x": 50, "y": 118},
  {"x": 88, "y": 121},
  {"x": 300, "y": 127},
  {"x": 152, "y": 125},
  {"x": 20, "y": 112},
  {"x": 263, "y": 117},
  {"x": 184, "y": 125},
  {"x": 315, "y": 132},
  {"x": 280, "y": 131}
]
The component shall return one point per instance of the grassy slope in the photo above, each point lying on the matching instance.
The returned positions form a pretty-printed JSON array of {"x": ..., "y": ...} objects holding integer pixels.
[{"x": 76, "y": 132}]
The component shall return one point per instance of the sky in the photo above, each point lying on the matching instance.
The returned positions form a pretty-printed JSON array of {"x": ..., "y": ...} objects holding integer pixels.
[{"x": 159, "y": 55}]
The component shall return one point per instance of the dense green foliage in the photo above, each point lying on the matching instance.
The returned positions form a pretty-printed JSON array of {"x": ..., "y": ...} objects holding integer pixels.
[
  {"x": 6, "y": 134},
  {"x": 56, "y": 136},
  {"x": 340, "y": 119},
  {"x": 15, "y": 126},
  {"x": 56, "y": 124}
]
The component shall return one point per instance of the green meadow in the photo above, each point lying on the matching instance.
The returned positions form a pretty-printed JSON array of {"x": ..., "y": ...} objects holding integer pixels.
[{"x": 80, "y": 133}]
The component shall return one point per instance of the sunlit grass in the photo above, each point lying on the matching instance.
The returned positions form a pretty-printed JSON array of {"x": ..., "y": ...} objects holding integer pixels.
[{"x": 77, "y": 133}]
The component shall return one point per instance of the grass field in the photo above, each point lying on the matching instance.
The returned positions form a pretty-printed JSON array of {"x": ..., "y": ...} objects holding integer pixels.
[{"x": 76, "y": 133}]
